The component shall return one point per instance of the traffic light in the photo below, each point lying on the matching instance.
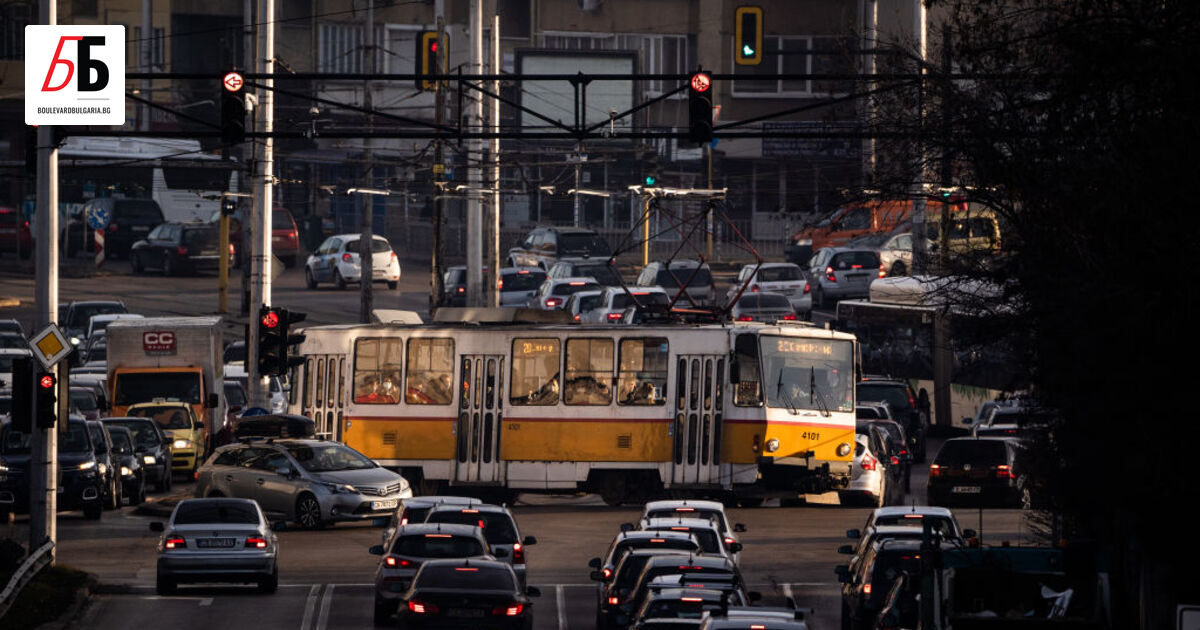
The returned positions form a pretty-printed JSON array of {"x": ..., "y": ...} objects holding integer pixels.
[
  {"x": 429, "y": 60},
  {"x": 45, "y": 386},
  {"x": 700, "y": 109},
  {"x": 274, "y": 340},
  {"x": 748, "y": 36},
  {"x": 229, "y": 206},
  {"x": 651, "y": 180},
  {"x": 233, "y": 117},
  {"x": 22, "y": 394}
]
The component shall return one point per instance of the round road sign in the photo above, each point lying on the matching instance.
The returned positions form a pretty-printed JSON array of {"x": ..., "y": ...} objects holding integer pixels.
[
  {"x": 233, "y": 82},
  {"x": 98, "y": 217}
]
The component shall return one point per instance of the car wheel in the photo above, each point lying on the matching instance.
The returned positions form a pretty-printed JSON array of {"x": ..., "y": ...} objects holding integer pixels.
[
  {"x": 308, "y": 512},
  {"x": 139, "y": 497},
  {"x": 338, "y": 280},
  {"x": 818, "y": 298},
  {"x": 898, "y": 269},
  {"x": 167, "y": 267},
  {"x": 268, "y": 584},
  {"x": 113, "y": 501},
  {"x": 383, "y": 611},
  {"x": 309, "y": 281},
  {"x": 393, "y": 284},
  {"x": 135, "y": 262},
  {"x": 93, "y": 510}
]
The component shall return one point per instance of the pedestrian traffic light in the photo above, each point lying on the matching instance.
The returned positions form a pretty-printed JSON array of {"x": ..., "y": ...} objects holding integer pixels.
[
  {"x": 700, "y": 109},
  {"x": 274, "y": 340},
  {"x": 428, "y": 60},
  {"x": 651, "y": 180},
  {"x": 748, "y": 36},
  {"x": 45, "y": 386},
  {"x": 233, "y": 117},
  {"x": 22, "y": 394}
]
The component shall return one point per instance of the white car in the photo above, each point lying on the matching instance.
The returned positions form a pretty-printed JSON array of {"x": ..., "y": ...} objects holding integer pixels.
[
  {"x": 869, "y": 482},
  {"x": 337, "y": 261},
  {"x": 783, "y": 278},
  {"x": 615, "y": 300},
  {"x": 553, "y": 293},
  {"x": 580, "y": 303},
  {"x": 237, "y": 372}
]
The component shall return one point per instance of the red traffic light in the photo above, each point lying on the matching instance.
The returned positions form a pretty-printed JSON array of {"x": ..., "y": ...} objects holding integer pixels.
[
  {"x": 701, "y": 82},
  {"x": 271, "y": 319},
  {"x": 433, "y": 46},
  {"x": 47, "y": 381}
]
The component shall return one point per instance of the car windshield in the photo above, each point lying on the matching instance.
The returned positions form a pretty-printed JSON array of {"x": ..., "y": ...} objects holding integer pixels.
[
  {"x": 974, "y": 452},
  {"x": 83, "y": 400},
  {"x": 497, "y": 527},
  {"x": 121, "y": 442},
  {"x": 234, "y": 353},
  {"x": 200, "y": 238},
  {"x": 855, "y": 260},
  {"x": 328, "y": 457},
  {"x": 590, "y": 245},
  {"x": 779, "y": 274},
  {"x": 623, "y": 300},
  {"x": 678, "y": 609},
  {"x": 603, "y": 274},
  {"x": 281, "y": 220},
  {"x": 235, "y": 395},
  {"x": 940, "y": 524},
  {"x": 138, "y": 387},
  {"x": 702, "y": 278},
  {"x": 690, "y": 512},
  {"x": 81, "y": 313},
  {"x": 630, "y": 544},
  {"x": 802, "y": 373},
  {"x": 466, "y": 578},
  {"x": 437, "y": 546},
  {"x": 13, "y": 341},
  {"x": 75, "y": 441},
  {"x": 630, "y": 568},
  {"x": 522, "y": 280},
  {"x": 378, "y": 246},
  {"x": 709, "y": 541},
  {"x": 892, "y": 431},
  {"x": 896, "y": 396},
  {"x": 143, "y": 432},
  {"x": 167, "y": 416},
  {"x": 215, "y": 511}
]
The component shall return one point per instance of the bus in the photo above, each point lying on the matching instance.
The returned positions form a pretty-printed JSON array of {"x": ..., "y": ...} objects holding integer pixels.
[
  {"x": 908, "y": 330},
  {"x": 735, "y": 412}
]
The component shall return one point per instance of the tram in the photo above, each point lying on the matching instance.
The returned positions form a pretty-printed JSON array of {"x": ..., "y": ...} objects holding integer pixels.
[{"x": 735, "y": 411}]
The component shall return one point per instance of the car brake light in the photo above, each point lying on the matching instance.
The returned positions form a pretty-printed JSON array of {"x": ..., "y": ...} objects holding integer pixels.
[
  {"x": 500, "y": 284},
  {"x": 895, "y": 460},
  {"x": 291, "y": 234},
  {"x": 729, "y": 541},
  {"x": 882, "y": 273},
  {"x": 231, "y": 249},
  {"x": 789, "y": 317},
  {"x": 613, "y": 601},
  {"x": 807, "y": 289},
  {"x": 518, "y": 553},
  {"x": 754, "y": 288},
  {"x": 438, "y": 536},
  {"x": 745, "y": 318},
  {"x": 181, "y": 250},
  {"x": 868, "y": 462},
  {"x": 757, "y": 626},
  {"x": 465, "y": 569},
  {"x": 911, "y": 402},
  {"x": 607, "y": 573},
  {"x": 577, "y": 318},
  {"x": 257, "y": 543},
  {"x": 867, "y": 588},
  {"x": 576, "y": 284},
  {"x": 856, "y": 266},
  {"x": 917, "y": 516},
  {"x": 511, "y": 610},
  {"x": 175, "y": 542},
  {"x": 460, "y": 289},
  {"x": 523, "y": 272},
  {"x": 615, "y": 317},
  {"x": 420, "y": 607},
  {"x": 1003, "y": 471},
  {"x": 691, "y": 599},
  {"x": 470, "y": 511},
  {"x": 346, "y": 257},
  {"x": 553, "y": 302},
  {"x": 829, "y": 274},
  {"x": 935, "y": 470}
]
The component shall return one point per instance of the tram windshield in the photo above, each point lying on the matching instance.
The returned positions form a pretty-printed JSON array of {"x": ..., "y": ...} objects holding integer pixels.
[{"x": 810, "y": 374}]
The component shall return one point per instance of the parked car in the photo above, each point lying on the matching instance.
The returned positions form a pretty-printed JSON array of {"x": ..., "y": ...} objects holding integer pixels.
[
  {"x": 909, "y": 408},
  {"x": 552, "y": 294},
  {"x": 310, "y": 482},
  {"x": 580, "y": 303},
  {"x": 106, "y": 463},
  {"x": 285, "y": 242},
  {"x": 969, "y": 470},
  {"x": 152, "y": 446},
  {"x": 465, "y": 593},
  {"x": 696, "y": 277},
  {"x": 129, "y": 465},
  {"x": 601, "y": 270},
  {"x": 14, "y": 233},
  {"x": 216, "y": 540},
  {"x": 81, "y": 486},
  {"x": 544, "y": 246},
  {"x": 402, "y": 555},
  {"x": 767, "y": 308},
  {"x": 614, "y": 301},
  {"x": 130, "y": 220},
  {"x": 838, "y": 273},
  {"x": 179, "y": 248},
  {"x": 337, "y": 261},
  {"x": 499, "y": 528},
  {"x": 896, "y": 254},
  {"x": 783, "y": 278}
]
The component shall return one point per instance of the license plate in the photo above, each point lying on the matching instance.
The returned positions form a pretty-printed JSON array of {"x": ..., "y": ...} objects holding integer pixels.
[
  {"x": 464, "y": 612},
  {"x": 210, "y": 543},
  {"x": 857, "y": 279},
  {"x": 141, "y": 228},
  {"x": 965, "y": 490},
  {"x": 384, "y": 505}
]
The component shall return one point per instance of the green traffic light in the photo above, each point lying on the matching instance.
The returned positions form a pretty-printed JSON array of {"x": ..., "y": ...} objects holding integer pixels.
[
  {"x": 747, "y": 50},
  {"x": 651, "y": 180}
]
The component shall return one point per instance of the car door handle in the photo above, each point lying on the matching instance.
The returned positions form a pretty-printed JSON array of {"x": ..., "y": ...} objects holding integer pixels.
[{"x": 260, "y": 481}]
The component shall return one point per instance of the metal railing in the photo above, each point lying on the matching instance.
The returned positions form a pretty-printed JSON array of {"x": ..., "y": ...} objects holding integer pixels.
[{"x": 29, "y": 568}]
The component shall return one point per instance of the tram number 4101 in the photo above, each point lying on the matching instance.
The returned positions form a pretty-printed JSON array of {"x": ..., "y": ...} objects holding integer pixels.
[{"x": 810, "y": 435}]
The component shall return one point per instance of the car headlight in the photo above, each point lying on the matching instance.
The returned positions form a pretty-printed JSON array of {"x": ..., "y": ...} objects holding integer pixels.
[
  {"x": 126, "y": 472},
  {"x": 340, "y": 487},
  {"x": 804, "y": 242},
  {"x": 183, "y": 444},
  {"x": 148, "y": 460},
  {"x": 75, "y": 341},
  {"x": 843, "y": 449},
  {"x": 87, "y": 465},
  {"x": 103, "y": 468},
  {"x": 772, "y": 445}
]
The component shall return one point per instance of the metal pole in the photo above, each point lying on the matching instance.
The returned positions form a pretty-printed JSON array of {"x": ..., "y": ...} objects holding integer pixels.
[
  {"x": 439, "y": 169},
  {"x": 494, "y": 283},
  {"x": 578, "y": 202},
  {"x": 871, "y": 34},
  {"x": 645, "y": 230},
  {"x": 260, "y": 259},
  {"x": 43, "y": 507},
  {"x": 147, "y": 58},
  {"x": 920, "y": 253},
  {"x": 474, "y": 152},
  {"x": 366, "y": 262},
  {"x": 708, "y": 210},
  {"x": 223, "y": 263}
]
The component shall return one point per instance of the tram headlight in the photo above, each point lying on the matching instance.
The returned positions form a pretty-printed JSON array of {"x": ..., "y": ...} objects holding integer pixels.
[
  {"x": 772, "y": 445},
  {"x": 843, "y": 449}
]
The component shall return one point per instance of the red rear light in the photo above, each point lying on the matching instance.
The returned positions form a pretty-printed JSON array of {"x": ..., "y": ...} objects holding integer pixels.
[
  {"x": 745, "y": 318},
  {"x": 916, "y": 516},
  {"x": 181, "y": 250},
  {"x": 553, "y": 302},
  {"x": 754, "y": 288},
  {"x": 607, "y": 573},
  {"x": 935, "y": 470},
  {"x": 112, "y": 227},
  {"x": 868, "y": 462},
  {"x": 882, "y": 273},
  {"x": 691, "y": 599},
  {"x": 729, "y": 541},
  {"x": 518, "y": 553},
  {"x": 577, "y": 318},
  {"x": 397, "y": 562},
  {"x": 789, "y": 317},
  {"x": 460, "y": 289},
  {"x": 231, "y": 249},
  {"x": 867, "y": 588},
  {"x": 175, "y": 542},
  {"x": 291, "y": 234},
  {"x": 421, "y": 607},
  {"x": 1003, "y": 471},
  {"x": 256, "y": 543},
  {"x": 510, "y": 610},
  {"x": 613, "y": 601},
  {"x": 912, "y": 403},
  {"x": 856, "y": 266},
  {"x": 895, "y": 460},
  {"x": 829, "y": 274},
  {"x": 346, "y": 257},
  {"x": 576, "y": 284},
  {"x": 499, "y": 283},
  {"x": 807, "y": 289},
  {"x": 615, "y": 317}
]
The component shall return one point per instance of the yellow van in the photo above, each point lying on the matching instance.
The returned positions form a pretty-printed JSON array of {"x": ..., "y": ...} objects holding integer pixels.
[
  {"x": 972, "y": 231},
  {"x": 185, "y": 432}
]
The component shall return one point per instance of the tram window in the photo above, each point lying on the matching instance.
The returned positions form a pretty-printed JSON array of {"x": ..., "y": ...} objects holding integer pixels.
[
  {"x": 430, "y": 372},
  {"x": 320, "y": 386},
  {"x": 331, "y": 381},
  {"x": 341, "y": 381},
  {"x": 535, "y": 365},
  {"x": 589, "y": 372},
  {"x": 747, "y": 390},
  {"x": 377, "y": 371},
  {"x": 642, "y": 376},
  {"x": 308, "y": 389},
  {"x": 293, "y": 391}
]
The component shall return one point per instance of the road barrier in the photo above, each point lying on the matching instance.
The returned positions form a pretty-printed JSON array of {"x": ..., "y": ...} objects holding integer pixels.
[{"x": 34, "y": 563}]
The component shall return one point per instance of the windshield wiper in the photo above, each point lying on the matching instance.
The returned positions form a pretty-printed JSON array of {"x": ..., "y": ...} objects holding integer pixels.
[
  {"x": 813, "y": 394},
  {"x": 779, "y": 394}
]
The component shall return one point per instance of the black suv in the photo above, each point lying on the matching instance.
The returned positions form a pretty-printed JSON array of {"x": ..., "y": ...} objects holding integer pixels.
[
  {"x": 544, "y": 246},
  {"x": 80, "y": 485},
  {"x": 175, "y": 248},
  {"x": 977, "y": 471},
  {"x": 909, "y": 409},
  {"x": 129, "y": 220},
  {"x": 865, "y": 590},
  {"x": 152, "y": 448}
]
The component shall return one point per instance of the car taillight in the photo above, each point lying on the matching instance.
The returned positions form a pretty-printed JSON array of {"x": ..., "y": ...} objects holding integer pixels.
[
  {"x": 729, "y": 541},
  {"x": 256, "y": 543},
  {"x": 499, "y": 283},
  {"x": 613, "y": 601},
  {"x": 577, "y": 318},
  {"x": 791, "y": 317},
  {"x": 615, "y": 317},
  {"x": 291, "y": 234},
  {"x": 882, "y": 273},
  {"x": 553, "y": 302},
  {"x": 754, "y": 288},
  {"x": 175, "y": 542},
  {"x": 1003, "y": 471},
  {"x": 607, "y": 573},
  {"x": 807, "y": 288},
  {"x": 895, "y": 460},
  {"x": 867, "y": 588},
  {"x": 181, "y": 250},
  {"x": 518, "y": 553},
  {"x": 829, "y": 274},
  {"x": 231, "y": 249},
  {"x": 912, "y": 404},
  {"x": 346, "y": 257},
  {"x": 420, "y": 607},
  {"x": 868, "y": 462},
  {"x": 935, "y": 470},
  {"x": 112, "y": 227},
  {"x": 745, "y": 318},
  {"x": 460, "y": 289},
  {"x": 510, "y": 610}
]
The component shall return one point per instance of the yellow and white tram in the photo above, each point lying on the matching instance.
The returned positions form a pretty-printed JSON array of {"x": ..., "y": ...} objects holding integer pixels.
[{"x": 742, "y": 410}]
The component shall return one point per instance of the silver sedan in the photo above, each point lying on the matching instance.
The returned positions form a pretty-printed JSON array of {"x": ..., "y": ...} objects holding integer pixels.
[{"x": 217, "y": 540}]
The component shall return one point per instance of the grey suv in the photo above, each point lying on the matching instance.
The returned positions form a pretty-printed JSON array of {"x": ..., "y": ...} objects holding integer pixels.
[
  {"x": 499, "y": 528},
  {"x": 310, "y": 482},
  {"x": 544, "y": 246},
  {"x": 837, "y": 273}
]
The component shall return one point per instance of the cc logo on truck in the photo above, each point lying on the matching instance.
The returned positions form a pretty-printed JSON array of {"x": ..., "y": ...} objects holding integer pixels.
[{"x": 158, "y": 342}]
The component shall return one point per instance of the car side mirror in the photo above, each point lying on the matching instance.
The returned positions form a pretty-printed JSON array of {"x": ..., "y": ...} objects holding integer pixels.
[
  {"x": 597, "y": 576},
  {"x": 157, "y": 526},
  {"x": 376, "y": 550},
  {"x": 529, "y": 540},
  {"x": 843, "y": 573},
  {"x": 533, "y": 591},
  {"x": 846, "y": 549},
  {"x": 735, "y": 547},
  {"x": 284, "y": 471},
  {"x": 739, "y": 528},
  {"x": 594, "y": 563},
  {"x": 500, "y": 553},
  {"x": 212, "y": 402},
  {"x": 754, "y": 596},
  {"x": 625, "y": 527},
  {"x": 853, "y": 534},
  {"x": 970, "y": 533}
]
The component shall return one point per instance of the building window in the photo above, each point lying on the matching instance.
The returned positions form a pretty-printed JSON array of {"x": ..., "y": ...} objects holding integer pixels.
[
  {"x": 659, "y": 54},
  {"x": 14, "y": 17},
  {"x": 797, "y": 55},
  {"x": 340, "y": 48},
  {"x": 535, "y": 365},
  {"x": 400, "y": 49},
  {"x": 156, "y": 48},
  {"x": 376, "y": 371},
  {"x": 430, "y": 372},
  {"x": 589, "y": 372},
  {"x": 642, "y": 375}
]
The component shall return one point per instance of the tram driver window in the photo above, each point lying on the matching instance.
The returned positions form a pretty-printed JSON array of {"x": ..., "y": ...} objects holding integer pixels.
[
  {"x": 377, "y": 371},
  {"x": 535, "y": 365},
  {"x": 642, "y": 377},
  {"x": 430, "y": 372},
  {"x": 747, "y": 385},
  {"x": 589, "y": 372}
]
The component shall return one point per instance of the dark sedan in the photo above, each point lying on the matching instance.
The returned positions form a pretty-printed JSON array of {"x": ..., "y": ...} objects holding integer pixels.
[
  {"x": 152, "y": 446},
  {"x": 80, "y": 485},
  {"x": 463, "y": 593},
  {"x": 977, "y": 471},
  {"x": 175, "y": 248}
]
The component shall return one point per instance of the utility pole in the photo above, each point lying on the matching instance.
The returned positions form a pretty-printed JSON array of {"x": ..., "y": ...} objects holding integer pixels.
[
  {"x": 365, "y": 258},
  {"x": 43, "y": 508},
  {"x": 917, "y": 190},
  {"x": 577, "y": 215},
  {"x": 439, "y": 169},
  {"x": 264, "y": 179},
  {"x": 147, "y": 58},
  {"x": 871, "y": 35},
  {"x": 494, "y": 281},
  {"x": 474, "y": 155}
]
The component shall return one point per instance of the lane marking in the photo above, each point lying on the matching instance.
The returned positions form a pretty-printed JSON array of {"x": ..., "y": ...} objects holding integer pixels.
[
  {"x": 326, "y": 605},
  {"x": 562, "y": 613},
  {"x": 309, "y": 604},
  {"x": 207, "y": 601}
]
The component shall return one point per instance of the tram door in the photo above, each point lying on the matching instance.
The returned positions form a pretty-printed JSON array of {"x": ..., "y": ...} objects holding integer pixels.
[
  {"x": 696, "y": 430},
  {"x": 325, "y": 393},
  {"x": 481, "y": 380}
]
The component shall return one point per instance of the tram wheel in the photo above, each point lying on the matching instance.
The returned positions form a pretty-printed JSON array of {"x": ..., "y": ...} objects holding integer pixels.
[{"x": 613, "y": 489}]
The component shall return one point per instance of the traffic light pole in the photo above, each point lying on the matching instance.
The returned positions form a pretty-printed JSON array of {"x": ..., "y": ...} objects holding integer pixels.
[{"x": 260, "y": 258}]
